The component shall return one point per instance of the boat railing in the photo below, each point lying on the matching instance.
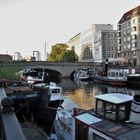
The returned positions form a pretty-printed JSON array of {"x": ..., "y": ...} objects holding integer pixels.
[{"x": 10, "y": 127}]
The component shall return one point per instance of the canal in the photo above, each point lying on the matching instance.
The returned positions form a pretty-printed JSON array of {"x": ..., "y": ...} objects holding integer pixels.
[{"x": 82, "y": 93}]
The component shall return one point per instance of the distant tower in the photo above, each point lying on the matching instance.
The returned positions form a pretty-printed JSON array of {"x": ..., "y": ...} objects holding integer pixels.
[{"x": 45, "y": 55}]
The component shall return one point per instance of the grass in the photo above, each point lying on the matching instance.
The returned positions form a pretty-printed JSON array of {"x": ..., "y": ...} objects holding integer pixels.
[{"x": 9, "y": 73}]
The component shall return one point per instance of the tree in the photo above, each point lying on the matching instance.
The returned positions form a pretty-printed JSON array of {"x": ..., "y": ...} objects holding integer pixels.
[
  {"x": 57, "y": 51},
  {"x": 70, "y": 56}
]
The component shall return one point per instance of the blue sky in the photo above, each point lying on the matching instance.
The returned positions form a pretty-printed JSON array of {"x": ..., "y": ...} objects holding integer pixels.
[{"x": 26, "y": 24}]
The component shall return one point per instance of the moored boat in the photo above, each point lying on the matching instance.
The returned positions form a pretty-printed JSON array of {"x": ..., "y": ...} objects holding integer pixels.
[
  {"x": 84, "y": 74},
  {"x": 110, "y": 120},
  {"x": 133, "y": 80},
  {"x": 115, "y": 77}
]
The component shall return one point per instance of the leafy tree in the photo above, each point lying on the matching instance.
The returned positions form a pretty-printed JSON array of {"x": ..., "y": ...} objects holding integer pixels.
[
  {"x": 70, "y": 56},
  {"x": 57, "y": 51}
]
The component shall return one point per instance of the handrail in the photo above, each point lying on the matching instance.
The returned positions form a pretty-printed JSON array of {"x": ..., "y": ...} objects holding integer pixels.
[{"x": 11, "y": 129}]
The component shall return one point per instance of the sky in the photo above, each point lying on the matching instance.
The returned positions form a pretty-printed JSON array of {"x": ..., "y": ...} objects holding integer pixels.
[{"x": 25, "y": 25}]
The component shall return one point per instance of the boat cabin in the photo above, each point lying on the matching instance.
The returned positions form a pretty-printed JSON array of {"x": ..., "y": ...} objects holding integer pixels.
[
  {"x": 107, "y": 121},
  {"x": 117, "y": 74}
]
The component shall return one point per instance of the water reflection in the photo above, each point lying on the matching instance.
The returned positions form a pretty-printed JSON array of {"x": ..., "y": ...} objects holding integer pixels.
[{"x": 81, "y": 94}]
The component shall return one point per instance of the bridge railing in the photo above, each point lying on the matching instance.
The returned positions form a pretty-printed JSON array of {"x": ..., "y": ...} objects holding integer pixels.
[{"x": 10, "y": 127}]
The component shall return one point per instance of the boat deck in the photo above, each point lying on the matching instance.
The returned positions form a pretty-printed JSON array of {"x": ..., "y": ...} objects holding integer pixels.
[
  {"x": 110, "y": 129},
  {"x": 16, "y": 89}
]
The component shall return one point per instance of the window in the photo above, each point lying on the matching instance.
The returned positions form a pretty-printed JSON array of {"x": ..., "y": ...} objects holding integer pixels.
[
  {"x": 120, "y": 74},
  {"x": 124, "y": 46},
  {"x": 124, "y": 33},
  {"x": 134, "y": 44},
  {"x": 119, "y": 41},
  {"x": 128, "y": 46},
  {"x": 128, "y": 31},
  {"x": 119, "y": 27},
  {"x": 128, "y": 24},
  {"x": 133, "y": 29},
  {"x": 134, "y": 21},
  {"x": 134, "y": 36},
  {"x": 124, "y": 39},
  {"x": 134, "y": 53},
  {"x": 128, "y": 38}
]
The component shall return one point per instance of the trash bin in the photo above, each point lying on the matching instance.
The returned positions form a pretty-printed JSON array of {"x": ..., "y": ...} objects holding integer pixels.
[{"x": 135, "y": 110}]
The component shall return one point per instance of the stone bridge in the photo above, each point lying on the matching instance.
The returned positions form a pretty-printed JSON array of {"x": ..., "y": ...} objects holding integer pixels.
[{"x": 65, "y": 69}]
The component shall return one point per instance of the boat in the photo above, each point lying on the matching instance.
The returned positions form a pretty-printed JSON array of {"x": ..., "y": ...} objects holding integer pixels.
[
  {"x": 46, "y": 114},
  {"x": 53, "y": 90},
  {"x": 115, "y": 77},
  {"x": 32, "y": 76},
  {"x": 133, "y": 80},
  {"x": 84, "y": 74},
  {"x": 64, "y": 123},
  {"x": 116, "y": 117}
]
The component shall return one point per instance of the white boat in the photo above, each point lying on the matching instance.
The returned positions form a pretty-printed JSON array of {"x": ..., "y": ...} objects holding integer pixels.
[
  {"x": 53, "y": 90},
  {"x": 84, "y": 74},
  {"x": 65, "y": 123},
  {"x": 109, "y": 122},
  {"x": 32, "y": 76}
]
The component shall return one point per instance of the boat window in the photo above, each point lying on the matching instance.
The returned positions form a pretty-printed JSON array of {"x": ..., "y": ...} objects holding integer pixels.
[
  {"x": 113, "y": 74},
  {"x": 125, "y": 73},
  {"x": 120, "y": 74},
  {"x": 55, "y": 91},
  {"x": 108, "y": 73},
  {"x": 117, "y": 74}
]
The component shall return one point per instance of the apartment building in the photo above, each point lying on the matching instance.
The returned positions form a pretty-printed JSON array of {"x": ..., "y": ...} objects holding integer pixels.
[
  {"x": 75, "y": 45},
  {"x": 105, "y": 46},
  {"x": 86, "y": 41},
  {"x": 129, "y": 36}
]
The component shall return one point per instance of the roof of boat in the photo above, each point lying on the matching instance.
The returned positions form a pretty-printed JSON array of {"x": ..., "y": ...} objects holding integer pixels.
[{"x": 114, "y": 97}]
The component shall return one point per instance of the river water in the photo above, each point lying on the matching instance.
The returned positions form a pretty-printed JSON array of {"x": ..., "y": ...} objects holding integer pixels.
[{"x": 82, "y": 93}]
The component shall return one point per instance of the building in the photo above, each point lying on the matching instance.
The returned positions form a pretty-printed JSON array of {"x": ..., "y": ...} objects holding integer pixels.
[
  {"x": 5, "y": 57},
  {"x": 17, "y": 56},
  {"x": 36, "y": 56},
  {"x": 105, "y": 46},
  {"x": 129, "y": 36},
  {"x": 75, "y": 45},
  {"x": 86, "y": 40}
]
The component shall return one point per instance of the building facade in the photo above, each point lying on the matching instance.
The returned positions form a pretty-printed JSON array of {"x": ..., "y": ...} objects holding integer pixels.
[
  {"x": 105, "y": 46},
  {"x": 75, "y": 45},
  {"x": 36, "y": 56},
  {"x": 17, "y": 56},
  {"x": 5, "y": 57},
  {"x": 86, "y": 41},
  {"x": 129, "y": 37}
]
